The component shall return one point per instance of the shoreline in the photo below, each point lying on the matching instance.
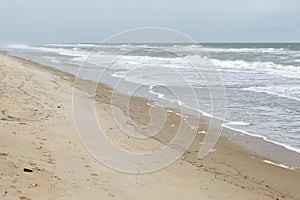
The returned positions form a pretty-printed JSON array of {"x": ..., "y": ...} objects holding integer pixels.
[
  {"x": 278, "y": 159},
  {"x": 219, "y": 170},
  {"x": 265, "y": 138},
  {"x": 286, "y": 146}
]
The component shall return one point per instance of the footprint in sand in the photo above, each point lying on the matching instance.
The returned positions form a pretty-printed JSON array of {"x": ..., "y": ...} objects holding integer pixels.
[
  {"x": 14, "y": 181},
  {"x": 50, "y": 161},
  {"x": 89, "y": 168},
  {"x": 111, "y": 195},
  {"x": 24, "y": 198},
  {"x": 94, "y": 174}
]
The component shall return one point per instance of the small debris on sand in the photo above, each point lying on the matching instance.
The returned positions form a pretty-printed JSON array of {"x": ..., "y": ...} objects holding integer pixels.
[
  {"x": 28, "y": 170},
  {"x": 33, "y": 185}
]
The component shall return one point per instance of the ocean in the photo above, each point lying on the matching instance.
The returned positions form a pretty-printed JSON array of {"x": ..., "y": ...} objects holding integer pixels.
[{"x": 261, "y": 81}]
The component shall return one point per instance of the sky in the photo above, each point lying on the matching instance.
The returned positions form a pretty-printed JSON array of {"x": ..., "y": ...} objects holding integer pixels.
[{"x": 65, "y": 21}]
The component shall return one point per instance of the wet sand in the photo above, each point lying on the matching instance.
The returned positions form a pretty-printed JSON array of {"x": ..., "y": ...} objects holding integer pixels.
[{"x": 37, "y": 132}]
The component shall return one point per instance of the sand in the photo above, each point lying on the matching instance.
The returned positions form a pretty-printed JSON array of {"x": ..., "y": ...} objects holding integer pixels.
[{"x": 37, "y": 132}]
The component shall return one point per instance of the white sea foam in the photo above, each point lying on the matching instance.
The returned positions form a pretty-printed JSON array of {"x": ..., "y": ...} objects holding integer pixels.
[
  {"x": 159, "y": 95},
  {"x": 246, "y": 50},
  {"x": 202, "y": 132},
  {"x": 206, "y": 63},
  {"x": 239, "y": 123},
  {"x": 262, "y": 67},
  {"x": 132, "y": 62},
  {"x": 119, "y": 74},
  {"x": 52, "y": 59},
  {"x": 278, "y": 164},
  {"x": 269, "y": 51}
]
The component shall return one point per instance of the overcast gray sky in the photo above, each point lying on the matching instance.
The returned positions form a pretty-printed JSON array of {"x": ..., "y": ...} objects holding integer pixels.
[{"x": 95, "y": 20}]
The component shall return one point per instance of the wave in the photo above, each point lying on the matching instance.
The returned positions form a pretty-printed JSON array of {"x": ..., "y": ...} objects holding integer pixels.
[
  {"x": 52, "y": 59},
  {"x": 261, "y": 67},
  {"x": 80, "y": 55},
  {"x": 281, "y": 91},
  {"x": 247, "y": 50},
  {"x": 207, "y": 49},
  {"x": 60, "y": 51},
  {"x": 188, "y": 48},
  {"x": 264, "y": 67},
  {"x": 83, "y": 45}
]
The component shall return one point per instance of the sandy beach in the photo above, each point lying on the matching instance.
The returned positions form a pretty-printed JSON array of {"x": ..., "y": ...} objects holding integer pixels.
[{"x": 38, "y": 135}]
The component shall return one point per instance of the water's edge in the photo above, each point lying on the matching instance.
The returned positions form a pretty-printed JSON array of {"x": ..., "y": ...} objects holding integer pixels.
[{"x": 259, "y": 144}]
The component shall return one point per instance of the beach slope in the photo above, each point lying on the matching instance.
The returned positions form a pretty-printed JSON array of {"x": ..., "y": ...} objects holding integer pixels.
[{"x": 41, "y": 156}]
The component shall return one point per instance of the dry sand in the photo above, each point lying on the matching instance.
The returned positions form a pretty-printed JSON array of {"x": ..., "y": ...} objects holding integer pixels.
[{"x": 37, "y": 131}]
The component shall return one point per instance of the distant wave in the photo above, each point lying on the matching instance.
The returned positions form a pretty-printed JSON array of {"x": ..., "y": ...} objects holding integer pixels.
[
  {"x": 60, "y": 51},
  {"x": 71, "y": 45},
  {"x": 257, "y": 50},
  {"x": 81, "y": 55},
  {"x": 247, "y": 50},
  {"x": 264, "y": 67}
]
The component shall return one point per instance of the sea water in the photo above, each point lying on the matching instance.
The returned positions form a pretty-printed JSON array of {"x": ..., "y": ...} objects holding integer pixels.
[{"x": 261, "y": 81}]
